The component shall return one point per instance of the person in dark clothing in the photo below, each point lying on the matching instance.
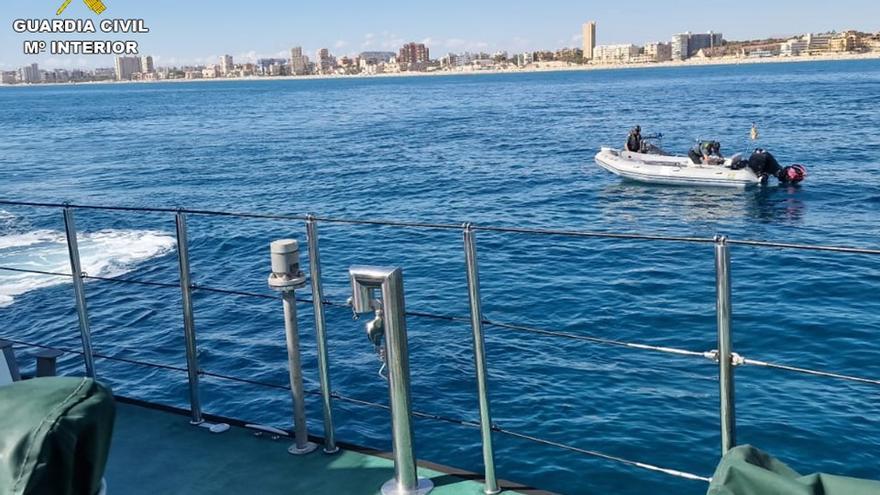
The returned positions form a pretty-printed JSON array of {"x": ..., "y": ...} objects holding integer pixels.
[
  {"x": 764, "y": 164},
  {"x": 706, "y": 152},
  {"x": 634, "y": 141}
]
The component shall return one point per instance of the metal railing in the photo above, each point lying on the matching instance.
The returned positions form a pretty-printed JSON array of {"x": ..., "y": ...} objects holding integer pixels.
[{"x": 724, "y": 355}]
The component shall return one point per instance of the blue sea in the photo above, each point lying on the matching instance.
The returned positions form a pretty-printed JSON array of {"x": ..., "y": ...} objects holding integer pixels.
[{"x": 508, "y": 150}]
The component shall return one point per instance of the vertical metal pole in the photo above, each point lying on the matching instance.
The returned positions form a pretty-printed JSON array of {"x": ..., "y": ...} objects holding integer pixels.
[
  {"x": 473, "y": 281},
  {"x": 321, "y": 335},
  {"x": 82, "y": 310},
  {"x": 189, "y": 327},
  {"x": 397, "y": 350},
  {"x": 390, "y": 281},
  {"x": 725, "y": 362},
  {"x": 300, "y": 428}
]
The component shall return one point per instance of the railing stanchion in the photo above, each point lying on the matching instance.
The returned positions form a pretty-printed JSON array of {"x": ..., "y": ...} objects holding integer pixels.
[
  {"x": 725, "y": 351},
  {"x": 321, "y": 334},
  {"x": 473, "y": 282},
  {"x": 391, "y": 323},
  {"x": 189, "y": 327},
  {"x": 82, "y": 310}
]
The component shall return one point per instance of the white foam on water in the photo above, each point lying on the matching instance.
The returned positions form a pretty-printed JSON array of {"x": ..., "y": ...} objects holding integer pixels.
[
  {"x": 107, "y": 253},
  {"x": 6, "y": 219}
]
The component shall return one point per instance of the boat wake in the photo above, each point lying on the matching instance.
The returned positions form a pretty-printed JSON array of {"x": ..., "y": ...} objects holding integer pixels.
[{"x": 106, "y": 253}]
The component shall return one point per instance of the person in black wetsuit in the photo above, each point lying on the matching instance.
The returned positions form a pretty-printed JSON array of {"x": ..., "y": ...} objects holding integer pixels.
[
  {"x": 764, "y": 164},
  {"x": 634, "y": 141}
]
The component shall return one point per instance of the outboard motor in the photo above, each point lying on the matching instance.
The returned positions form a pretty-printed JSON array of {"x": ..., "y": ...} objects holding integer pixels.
[{"x": 793, "y": 174}]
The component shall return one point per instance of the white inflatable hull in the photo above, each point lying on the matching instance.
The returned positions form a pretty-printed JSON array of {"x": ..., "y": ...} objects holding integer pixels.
[{"x": 673, "y": 170}]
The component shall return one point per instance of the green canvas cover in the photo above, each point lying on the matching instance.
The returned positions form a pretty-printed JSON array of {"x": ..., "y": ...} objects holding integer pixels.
[
  {"x": 54, "y": 436},
  {"x": 746, "y": 470}
]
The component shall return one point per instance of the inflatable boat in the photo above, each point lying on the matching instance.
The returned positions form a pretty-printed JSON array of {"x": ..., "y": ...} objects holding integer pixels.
[{"x": 673, "y": 170}]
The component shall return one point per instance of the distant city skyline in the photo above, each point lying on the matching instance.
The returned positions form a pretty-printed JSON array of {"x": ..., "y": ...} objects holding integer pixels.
[{"x": 184, "y": 33}]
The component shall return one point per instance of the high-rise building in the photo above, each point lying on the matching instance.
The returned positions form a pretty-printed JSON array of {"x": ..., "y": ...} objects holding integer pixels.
[
  {"x": 7, "y": 77},
  {"x": 686, "y": 45},
  {"x": 589, "y": 40},
  {"x": 414, "y": 56},
  {"x": 297, "y": 61},
  {"x": 147, "y": 66},
  {"x": 226, "y": 65},
  {"x": 702, "y": 41},
  {"x": 29, "y": 74},
  {"x": 680, "y": 48},
  {"x": 126, "y": 67},
  {"x": 324, "y": 61}
]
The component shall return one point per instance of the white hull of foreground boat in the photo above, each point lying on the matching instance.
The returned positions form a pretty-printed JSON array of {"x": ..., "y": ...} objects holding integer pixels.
[{"x": 673, "y": 170}]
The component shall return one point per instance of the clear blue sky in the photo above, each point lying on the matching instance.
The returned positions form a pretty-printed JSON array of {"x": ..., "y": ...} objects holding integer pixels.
[{"x": 197, "y": 31}]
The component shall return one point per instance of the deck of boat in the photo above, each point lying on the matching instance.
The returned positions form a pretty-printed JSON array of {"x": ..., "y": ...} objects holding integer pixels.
[{"x": 157, "y": 451}]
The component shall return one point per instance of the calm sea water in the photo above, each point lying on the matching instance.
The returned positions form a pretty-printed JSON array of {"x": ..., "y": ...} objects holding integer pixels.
[{"x": 513, "y": 150}]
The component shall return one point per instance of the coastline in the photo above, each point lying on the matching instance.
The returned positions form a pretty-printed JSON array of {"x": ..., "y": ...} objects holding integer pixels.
[{"x": 540, "y": 67}]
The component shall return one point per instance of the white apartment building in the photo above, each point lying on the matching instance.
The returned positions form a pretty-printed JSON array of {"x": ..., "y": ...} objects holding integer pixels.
[
  {"x": 608, "y": 54},
  {"x": 794, "y": 47},
  {"x": 226, "y": 65},
  {"x": 147, "y": 66}
]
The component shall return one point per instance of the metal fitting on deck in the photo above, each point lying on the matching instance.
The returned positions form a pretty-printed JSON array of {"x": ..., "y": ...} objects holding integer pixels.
[{"x": 286, "y": 274}]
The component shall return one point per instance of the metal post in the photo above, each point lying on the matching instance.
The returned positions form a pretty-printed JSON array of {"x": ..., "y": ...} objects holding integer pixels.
[
  {"x": 82, "y": 310},
  {"x": 189, "y": 327},
  {"x": 9, "y": 371},
  {"x": 321, "y": 335},
  {"x": 286, "y": 277},
  {"x": 390, "y": 282},
  {"x": 473, "y": 280},
  {"x": 301, "y": 431},
  {"x": 725, "y": 352}
]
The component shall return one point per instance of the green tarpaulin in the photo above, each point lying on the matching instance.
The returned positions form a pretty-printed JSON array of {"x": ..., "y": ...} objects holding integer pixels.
[
  {"x": 54, "y": 436},
  {"x": 746, "y": 470}
]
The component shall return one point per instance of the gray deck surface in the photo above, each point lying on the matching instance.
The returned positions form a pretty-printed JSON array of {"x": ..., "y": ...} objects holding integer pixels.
[{"x": 156, "y": 452}]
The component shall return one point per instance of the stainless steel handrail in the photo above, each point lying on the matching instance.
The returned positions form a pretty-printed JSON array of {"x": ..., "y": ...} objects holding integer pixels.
[
  {"x": 321, "y": 334},
  {"x": 450, "y": 226},
  {"x": 724, "y": 356},
  {"x": 389, "y": 282},
  {"x": 473, "y": 281},
  {"x": 725, "y": 353},
  {"x": 82, "y": 310},
  {"x": 189, "y": 326},
  {"x": 712, "y": 354}
]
